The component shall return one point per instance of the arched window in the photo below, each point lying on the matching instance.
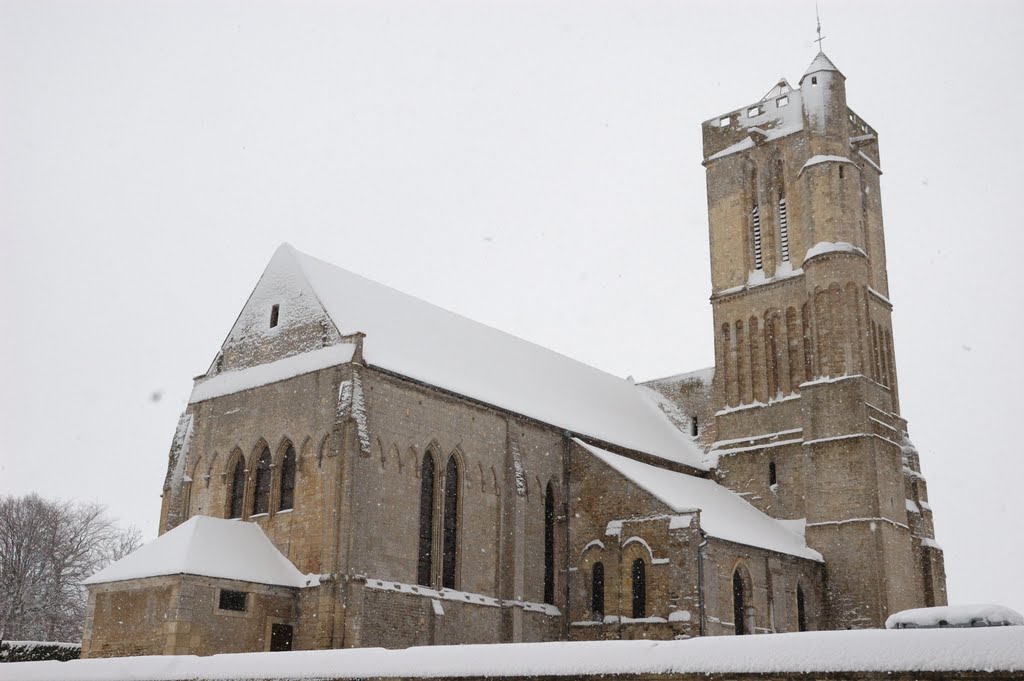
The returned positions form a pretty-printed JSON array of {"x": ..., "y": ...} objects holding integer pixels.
[
  {"x": 639, "y": 589},
  {"x": 549, "y": 545},
  {"x": 287, "y": 499},
  {"x": 808, "y": 341},
  {"x": 261, "y": 496},
  {"x": 773, "y": 478},
  {"x": 424, "y": 572},
  {"x": 739, "y": 609},
  {"x": 451, "y": 523},
  {"x": 237, "y": 489},
  {"x": 801, "y": 612},
  {"x": 597, "y": 592}
]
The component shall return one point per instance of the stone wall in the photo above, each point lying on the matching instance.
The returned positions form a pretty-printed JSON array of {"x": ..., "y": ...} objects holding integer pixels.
[{"x": 180, "y": 614}]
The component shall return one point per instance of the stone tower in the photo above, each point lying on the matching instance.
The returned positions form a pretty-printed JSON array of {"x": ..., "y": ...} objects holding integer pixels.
[{"x": 806, "y": 406}]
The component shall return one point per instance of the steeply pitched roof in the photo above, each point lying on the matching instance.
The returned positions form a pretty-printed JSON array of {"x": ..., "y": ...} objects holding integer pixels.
[
  {"x": 410, "y": 337},
  {"x": 208, "y": 547},
  {"x": 724, "y": 514}
]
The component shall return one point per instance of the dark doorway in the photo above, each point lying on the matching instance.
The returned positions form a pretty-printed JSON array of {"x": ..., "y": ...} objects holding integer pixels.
[{"x": 280, "y": 637}]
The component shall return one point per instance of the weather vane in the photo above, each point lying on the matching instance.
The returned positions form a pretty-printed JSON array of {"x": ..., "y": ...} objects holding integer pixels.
[{"x": 817, "y": 16}]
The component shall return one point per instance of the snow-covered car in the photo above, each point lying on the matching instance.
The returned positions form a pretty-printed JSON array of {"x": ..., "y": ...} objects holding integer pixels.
[{"x": 955, "y": 616}]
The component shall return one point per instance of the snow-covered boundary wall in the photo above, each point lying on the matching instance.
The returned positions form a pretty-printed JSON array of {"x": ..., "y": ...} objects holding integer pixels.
[{"x": 985, "y": 653}]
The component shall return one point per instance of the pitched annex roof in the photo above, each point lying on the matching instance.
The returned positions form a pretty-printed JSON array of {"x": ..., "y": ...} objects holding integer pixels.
[
  {"x": 208, "y": 547},
  {"x": 723, "y": 514},
  {"x": 413, "y": 338}
]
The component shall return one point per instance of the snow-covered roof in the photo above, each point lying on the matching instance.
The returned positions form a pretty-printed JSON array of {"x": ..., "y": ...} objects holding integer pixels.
[
  {"x": 705, "y": 376},
  {"x": 723, "y": 514},
  {"x": 821, "y": 63},
  {"x": 982, "y": 615},
  {"x": 943, "y": 651},
  {"x": 408, "y": 336},
  {"x": 208, "y": 547},
  {"x": 229, "y": 382}
]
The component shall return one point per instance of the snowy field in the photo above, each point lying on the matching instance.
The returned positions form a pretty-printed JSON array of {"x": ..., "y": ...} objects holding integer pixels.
[{"x": 996, "y": 649}]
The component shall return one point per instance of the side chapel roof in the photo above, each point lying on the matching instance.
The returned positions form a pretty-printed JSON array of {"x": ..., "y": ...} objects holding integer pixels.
[
  {"x": 208, "y": 547},
  {"x": 723, "y": 514}
]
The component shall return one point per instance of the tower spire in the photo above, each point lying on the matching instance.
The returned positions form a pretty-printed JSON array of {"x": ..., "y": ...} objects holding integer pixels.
[{"x": 817, "y": 15}]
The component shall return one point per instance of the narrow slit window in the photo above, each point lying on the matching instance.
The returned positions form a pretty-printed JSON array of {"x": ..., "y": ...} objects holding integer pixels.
[
  {"x": 549, "y": 545},
  {"x": 801, "y": 610},
  {"x": 693, "y": 426},
  {"x": 639, "y": 589},
  {"x": 840, "y": 172},
  {"x": 739, "y": 610},
  {"x": 261, "y": 495},
  {"x": 814, "y": 80},
  {"x": 287, "y": 496},
  {"x": 755, "y": 222},
  {"x": 237, "y": 489},
  {"x": 597, "y": 592},
  {"x": 424, "y": 571},
  {"x": 275, "y": 312},
  {"x": 773, "y": 477},
  {"x": 450, "y": 525}
]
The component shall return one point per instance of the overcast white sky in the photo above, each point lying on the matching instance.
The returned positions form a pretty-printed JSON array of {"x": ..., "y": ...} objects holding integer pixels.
[{"x": 532, "y": 165}]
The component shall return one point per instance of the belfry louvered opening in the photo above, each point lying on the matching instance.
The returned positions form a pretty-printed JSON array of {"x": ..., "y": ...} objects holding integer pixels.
[
  {"x": 784, "y": 229},
  {"x": 755, "y": 223}
]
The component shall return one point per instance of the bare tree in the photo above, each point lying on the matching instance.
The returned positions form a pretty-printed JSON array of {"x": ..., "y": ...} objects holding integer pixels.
[{"x": 47, "y": 549}]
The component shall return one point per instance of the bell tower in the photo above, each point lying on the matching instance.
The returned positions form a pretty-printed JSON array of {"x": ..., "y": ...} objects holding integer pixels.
[{"x": 806, "y": 402}]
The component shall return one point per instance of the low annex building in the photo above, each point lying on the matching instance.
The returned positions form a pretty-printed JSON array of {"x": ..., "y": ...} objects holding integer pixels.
[{"x": 359, "y": 468}]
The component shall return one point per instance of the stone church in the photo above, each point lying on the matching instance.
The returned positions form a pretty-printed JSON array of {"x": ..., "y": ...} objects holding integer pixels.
[{"x": 358, "y": 467}]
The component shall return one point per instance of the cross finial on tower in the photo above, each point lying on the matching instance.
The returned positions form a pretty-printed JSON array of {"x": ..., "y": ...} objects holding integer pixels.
[{"x": 817, "y": 16}]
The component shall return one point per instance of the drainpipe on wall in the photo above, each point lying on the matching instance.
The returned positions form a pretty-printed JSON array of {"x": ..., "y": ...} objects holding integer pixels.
[{"x": 700, "y": 582}]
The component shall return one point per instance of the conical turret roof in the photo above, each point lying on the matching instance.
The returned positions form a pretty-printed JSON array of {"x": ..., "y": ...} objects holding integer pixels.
[{"x": 821, "y": 63}]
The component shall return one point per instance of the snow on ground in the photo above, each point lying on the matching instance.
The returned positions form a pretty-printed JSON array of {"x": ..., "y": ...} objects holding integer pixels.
[
  {"x": 210, "y": 547},
  {"x": 723, "y": 514},
  {"x": 873, "y": 650},
  {"x": 956, "y": 616}
]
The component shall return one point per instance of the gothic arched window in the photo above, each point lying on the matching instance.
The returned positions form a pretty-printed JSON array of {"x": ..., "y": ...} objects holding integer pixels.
[
  {"x": 237, "y": 491},
  {"x": 424, "y": 571},
  {"x": 549, "y": 545},
  {"x": 451, "y": 524},
  {"x": 287, "y": 499},
  {"x": 801, "y": 610},
  {"x": 261, "y": 496},
  {"x": 739, "y": 609},
  {"x": 597, "y": 591},
  {"x": 639, "y": 589}
]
